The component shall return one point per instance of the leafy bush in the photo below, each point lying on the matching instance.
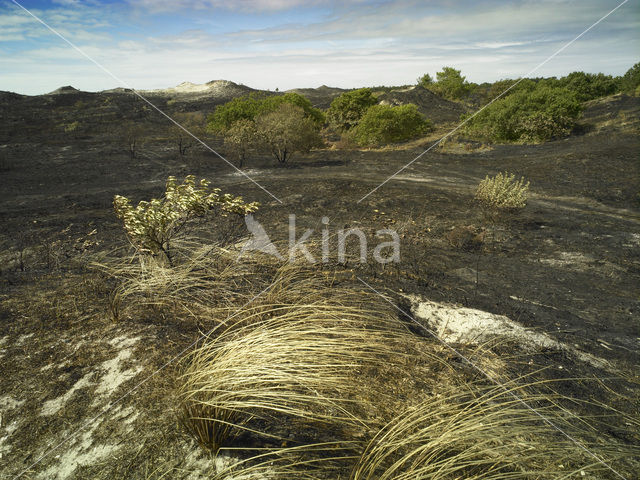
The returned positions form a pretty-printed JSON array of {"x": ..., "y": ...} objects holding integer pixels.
[
  {"x": 151, "y": 226},
  {"x": 386, "y": 124},
  {"x": 271, "y": 104},
  {"x": 346, "y": 110},
  {"x": 425, "y": 81},
  {"x": 240, "y": 137},
  {"x": 451, "y": 84},
  {"x": 499, "y": 87},
  {"x": 287, "y": 130},
  {"x": 588, "y": 86},
  {"x": 251, "y": 106},
  {"x": 502, "y": 193},
  {"x": 631, "y": 79},
  {"x": 532, "y": 113},
  {"x": 240, "y": 108}
]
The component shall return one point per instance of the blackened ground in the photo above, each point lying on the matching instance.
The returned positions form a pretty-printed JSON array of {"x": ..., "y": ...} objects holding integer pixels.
[{"x": 568, "y": 265}]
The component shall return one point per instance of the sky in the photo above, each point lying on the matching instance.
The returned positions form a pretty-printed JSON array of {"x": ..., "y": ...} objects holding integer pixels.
[{"x": 269, "y": 44}]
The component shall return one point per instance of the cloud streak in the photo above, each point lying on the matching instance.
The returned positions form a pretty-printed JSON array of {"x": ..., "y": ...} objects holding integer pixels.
[{"x": 307, "y": 44}]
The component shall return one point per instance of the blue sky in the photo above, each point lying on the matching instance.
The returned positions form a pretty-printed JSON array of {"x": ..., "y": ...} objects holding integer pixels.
[{"x": 306, "y": 43}]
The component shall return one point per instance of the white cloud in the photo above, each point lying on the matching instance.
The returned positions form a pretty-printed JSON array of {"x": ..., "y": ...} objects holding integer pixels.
[
  {"x": 235, "y": 5},
  {"x": 358, "y": 44}
]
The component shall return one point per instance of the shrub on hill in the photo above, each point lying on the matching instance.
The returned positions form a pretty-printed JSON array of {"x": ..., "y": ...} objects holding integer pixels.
[
  {"x": 251, "y": 106},
  {"x": 588, "y": 86},
  {"x": 386, "y": 124},
  {"x": 425, "y": 81},
  {"x": 346, "y": 110},
  {"x": 533, "y": 113},
  {"x": 451, "y": 84},
  {"x": 630, "y": 81}
]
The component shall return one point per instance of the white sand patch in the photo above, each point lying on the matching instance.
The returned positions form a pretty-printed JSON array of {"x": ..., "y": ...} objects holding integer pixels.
[
  {"x": 23, "y": 338},
  {"x": 9, "y": 403},
  {"x": 83, "y": 451},
  {"x": 114, "y": 375},
  {"x": 252, "y": 172},
  {"x": 124, "y": 341},
  {"x": 580, "y": 262},
  {"x": 469, "y": 326},
  {"x": 566, "y": 259},
  {"x": 7, "y": 430},
  {"x": 106, "y": 378},
  {"x": 51, "y": 407},
  {"x": 633, "y": 240}
]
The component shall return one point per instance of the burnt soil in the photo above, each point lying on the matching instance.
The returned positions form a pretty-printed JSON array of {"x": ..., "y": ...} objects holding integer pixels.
[{"x": 568, "y": 265}]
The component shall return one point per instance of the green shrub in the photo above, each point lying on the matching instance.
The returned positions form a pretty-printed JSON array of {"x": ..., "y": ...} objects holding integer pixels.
[
  {"x": 499, "y": 87},
  {"x": 451, "y": 84},
  {"x": 346, "y": 110},
  {"x": 502, "y": 193},
  {"x": 383, "y": 124},
  {"x": 425, "y": 81},
  {"x": 151, "y": 226},
  {"x": 532, "y": 113},
  {"x": 240, "y": 137},
  {"x": 271, "y": 104},
  {"x": 287, "y": 130},
  {"x": 631, "y": 80},
  {"x": 239, "y": 108},
  {"x": 251, "y": 106},
  {"x": 588, "y": 86}
]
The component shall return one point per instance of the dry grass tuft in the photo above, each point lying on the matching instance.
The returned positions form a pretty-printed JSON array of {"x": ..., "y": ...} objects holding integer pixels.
[
  {"x": 483, "y": 433},
  {"x": 296, "y": 357}
]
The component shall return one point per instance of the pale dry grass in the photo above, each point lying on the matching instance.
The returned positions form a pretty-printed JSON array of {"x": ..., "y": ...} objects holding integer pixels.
[
  {"x": 303, "y": 375},
  {"x": 298, "y": 355},
  {"x": 486, "y": 433}
]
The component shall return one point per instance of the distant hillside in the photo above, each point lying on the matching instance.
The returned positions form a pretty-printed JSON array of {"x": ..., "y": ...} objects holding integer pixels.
[{"x": 320, "y": 97}]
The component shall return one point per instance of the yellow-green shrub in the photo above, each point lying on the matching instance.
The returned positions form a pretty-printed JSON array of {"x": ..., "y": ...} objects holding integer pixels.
[
  {"x": 151, "y": 226},
  {"x": 502, "y": 192}
]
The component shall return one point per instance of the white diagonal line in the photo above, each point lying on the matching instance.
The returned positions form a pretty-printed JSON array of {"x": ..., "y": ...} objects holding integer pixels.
[
  {"x": 496, "y": 98},
  {"x": 106, "y": 408},
  {"x": 122, "y": 82},
  {"x": 492, "y": 379}
]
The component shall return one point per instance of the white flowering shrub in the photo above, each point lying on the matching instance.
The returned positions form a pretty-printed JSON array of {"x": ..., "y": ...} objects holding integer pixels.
[
  {"x": 502, "y": 193},
  {"x": 151, "y": 226}
]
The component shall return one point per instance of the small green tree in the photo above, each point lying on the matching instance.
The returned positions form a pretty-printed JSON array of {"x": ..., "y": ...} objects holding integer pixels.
[
  {"x": 152, "y": 226},
  {"x": 346, "y": 110},
  {"x": 239, "y": 108},
  {"x": 425, "y": 81},
  {"x": 451, "y": 84},
  {"x": 251, "y": 106},
  {"x": 383, "y": 124},
  {"x": 631, "y": 79},
  {"x": 240, "y": 137},
  {"x": 271, "y": 104},
  {"x": 287, "y": 130}
]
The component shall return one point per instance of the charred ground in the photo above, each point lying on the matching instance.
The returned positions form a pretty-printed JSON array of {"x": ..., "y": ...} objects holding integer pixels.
[{"x": 569, "y": 265}]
